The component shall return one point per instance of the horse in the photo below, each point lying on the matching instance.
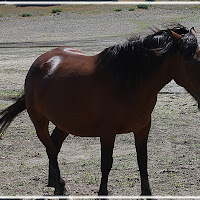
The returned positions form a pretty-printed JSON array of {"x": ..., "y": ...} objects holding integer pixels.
[{"x": 112, "y": 92}]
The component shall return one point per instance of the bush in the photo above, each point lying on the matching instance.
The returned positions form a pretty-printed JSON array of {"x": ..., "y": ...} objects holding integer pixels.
[
  {"x": 118, "y": 9},
  {"x": 131, "y": 9},
  {"x": 26, "y": 15},
  {"x": 143, "y": 6},
  {"x": 56, "y": 10}
]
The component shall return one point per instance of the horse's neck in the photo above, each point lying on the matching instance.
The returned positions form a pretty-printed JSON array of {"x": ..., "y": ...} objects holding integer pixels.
[{"x": 161, "y": 77}]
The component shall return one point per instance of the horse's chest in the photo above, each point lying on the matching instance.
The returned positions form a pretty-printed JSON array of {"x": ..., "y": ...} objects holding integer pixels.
[
  {"x": 133, "y": 117},
  {"x": 132, "y": 123}
]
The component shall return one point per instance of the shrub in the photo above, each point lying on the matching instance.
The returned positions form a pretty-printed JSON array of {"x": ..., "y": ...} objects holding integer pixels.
[
  {"x": 131, "y": 9},
  {"x": 118, "y": 9},
  {"x": 143, "y": 6},
  {"x": 56, "y": 10},
  {"x": 26, "y": 15}
]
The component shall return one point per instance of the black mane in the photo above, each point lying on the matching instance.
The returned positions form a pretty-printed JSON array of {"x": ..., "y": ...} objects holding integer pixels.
[{"x": 138, "y": 58}]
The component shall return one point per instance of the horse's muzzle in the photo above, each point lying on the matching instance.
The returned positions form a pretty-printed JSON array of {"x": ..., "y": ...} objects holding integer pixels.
[
  {"x": 199, "y": 105},
  {"x": 198, "y": 100}
]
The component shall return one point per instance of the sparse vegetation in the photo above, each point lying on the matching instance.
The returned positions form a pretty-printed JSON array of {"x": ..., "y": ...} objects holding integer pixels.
[
  {"x": 143, "y": 6},
  {"x": 131, "y": 9},
  {"x": 9, "y": 95},
  {"x": 26, "y": 15},
  {"x": 92, "y": 179},
  {"x": 56, "y": 10},
  {"x": 118, "y": 9}
]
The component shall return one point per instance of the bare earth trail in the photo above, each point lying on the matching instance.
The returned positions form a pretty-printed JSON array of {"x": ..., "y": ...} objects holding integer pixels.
[{"x": 174, "y": 156}]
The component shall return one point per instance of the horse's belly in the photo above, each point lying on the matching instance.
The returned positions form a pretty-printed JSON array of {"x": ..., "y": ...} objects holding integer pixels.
[
  {"x": 84, "y": 118},
  {"x": 73, "y": 115},
  {"x": 78, "y": 126}
]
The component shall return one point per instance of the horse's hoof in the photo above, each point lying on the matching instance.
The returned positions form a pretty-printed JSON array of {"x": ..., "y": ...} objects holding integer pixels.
[
  {"x": 102, "y": 195},
  {"x": 61, "y": 192},
  {"x": 62, "y": 182}
]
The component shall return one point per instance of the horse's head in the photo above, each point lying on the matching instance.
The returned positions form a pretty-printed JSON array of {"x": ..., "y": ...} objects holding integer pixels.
[{"x": 187, "y": 64}]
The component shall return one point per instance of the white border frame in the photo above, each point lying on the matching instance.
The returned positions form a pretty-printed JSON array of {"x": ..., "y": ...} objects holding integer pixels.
[
  {"x": 99, "y": 197},
  {"x": 99, "y": 3}
]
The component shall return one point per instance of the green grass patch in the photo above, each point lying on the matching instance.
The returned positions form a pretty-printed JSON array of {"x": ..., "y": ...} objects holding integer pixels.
[
  {"x": 174, "y": 138},
  {"x": 118, "y": 9},
  {"x": 10, "y": 95},
  {"x": 143, "y": 6},
  {"x": 1, "y": 15},
  {"x": 26, "y": 14},
  {"x": 56, "y": 10},
  {"x": 131, "y": 9},
  {"x": 91, "y": 179},
  {"x": 197, "y": 6}
]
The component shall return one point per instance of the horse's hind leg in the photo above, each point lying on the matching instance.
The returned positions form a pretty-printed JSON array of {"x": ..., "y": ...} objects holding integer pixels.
[
  {"x": 41, "y": 126},
  {"x": 141, "y": 138},
  {"x": 107, "y": 145},
  {"x": 57, "y": 137}
]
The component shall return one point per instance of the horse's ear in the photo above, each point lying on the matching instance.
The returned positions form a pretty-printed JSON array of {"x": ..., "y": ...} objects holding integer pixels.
[
  {"x": 176, "y": 37},
  {"x": 193, "y": 32}
]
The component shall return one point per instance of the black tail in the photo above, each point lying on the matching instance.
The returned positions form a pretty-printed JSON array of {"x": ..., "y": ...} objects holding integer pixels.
[{"x": 8, "y": 114}]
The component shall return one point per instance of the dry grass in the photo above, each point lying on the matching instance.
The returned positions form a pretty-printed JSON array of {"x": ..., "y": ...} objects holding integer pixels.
[{"x": 14, "y": 11}]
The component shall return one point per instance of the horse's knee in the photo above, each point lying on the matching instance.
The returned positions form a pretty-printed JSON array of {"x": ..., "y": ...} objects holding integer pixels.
[{"x": 61, "y": 191}]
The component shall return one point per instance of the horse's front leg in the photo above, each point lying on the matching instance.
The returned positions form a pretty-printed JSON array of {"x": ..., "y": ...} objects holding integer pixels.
[
  {"x": 141, "y": 138},
  {"x": 107, "y": 145}
]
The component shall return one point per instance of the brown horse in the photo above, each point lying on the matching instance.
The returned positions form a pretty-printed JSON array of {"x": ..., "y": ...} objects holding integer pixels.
[{"x": 111, "y": 93}]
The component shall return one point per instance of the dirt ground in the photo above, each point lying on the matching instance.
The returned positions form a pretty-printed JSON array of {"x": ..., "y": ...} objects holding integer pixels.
[{"x": 173, "y": 146}]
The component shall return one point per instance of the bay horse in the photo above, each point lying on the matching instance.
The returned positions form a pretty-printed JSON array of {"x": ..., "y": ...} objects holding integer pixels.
[{"x": 113, "y": 92}]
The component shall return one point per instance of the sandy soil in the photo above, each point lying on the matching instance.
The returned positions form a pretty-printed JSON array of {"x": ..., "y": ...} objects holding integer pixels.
[{"x": 174, "y": 155}]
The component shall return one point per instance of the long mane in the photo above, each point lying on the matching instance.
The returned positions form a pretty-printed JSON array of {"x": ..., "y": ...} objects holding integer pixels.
[{"x": 138, "y": 58}]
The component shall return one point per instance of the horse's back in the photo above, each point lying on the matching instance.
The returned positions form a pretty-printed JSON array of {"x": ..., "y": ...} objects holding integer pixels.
[{"x": 65, "y": 58}]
